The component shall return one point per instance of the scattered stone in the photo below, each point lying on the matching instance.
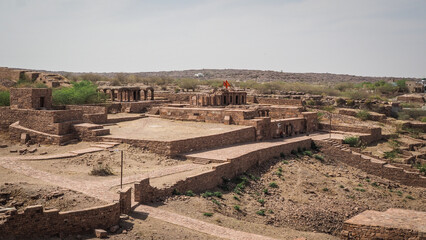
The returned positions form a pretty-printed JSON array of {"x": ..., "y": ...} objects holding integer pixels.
[
  {"x": 32, "y": 150},
  {"x": 22, "y": 151},
  {"x": 43, "y": 153},
  {"x": 13, "y": 151},
  {"x": 3, "y": 146},
  {"x": 100, "y": 233},
  {"x": 114, "y": 228},
  {"x": 124, "y": 217}
]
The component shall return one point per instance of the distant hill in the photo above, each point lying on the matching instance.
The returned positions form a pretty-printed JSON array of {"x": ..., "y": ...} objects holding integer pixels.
[
  {"x": 263, "y": 76},
  {"x": 257, "y": 75}
]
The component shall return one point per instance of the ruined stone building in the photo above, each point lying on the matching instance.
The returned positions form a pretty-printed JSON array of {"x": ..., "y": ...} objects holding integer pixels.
[
  {"x": 127, "y": 93},
  {"x": 219, "y": 98}
]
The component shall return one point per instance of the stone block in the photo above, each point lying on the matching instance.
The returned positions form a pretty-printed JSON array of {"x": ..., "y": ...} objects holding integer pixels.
[
  {"x": 25, "y": 137},
  {"x": 100, "y": 233}
]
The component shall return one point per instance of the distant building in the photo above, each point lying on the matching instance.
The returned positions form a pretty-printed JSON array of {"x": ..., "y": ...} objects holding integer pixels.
[{"x": 416, "y": 86}]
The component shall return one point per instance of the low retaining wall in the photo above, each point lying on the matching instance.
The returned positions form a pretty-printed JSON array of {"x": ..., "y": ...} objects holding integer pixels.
[
  {"x": 173, "y": 148},
  {"x": 15, "y": 131},
  {"x": 372, "y": 115},
  {"x": 35, "y": 221},
  {"x": 381, "y": 169},
  {"x": 145, "y": 193},
  {"x": 374, "y": 134},
  {"x": 275, "y": 101}
]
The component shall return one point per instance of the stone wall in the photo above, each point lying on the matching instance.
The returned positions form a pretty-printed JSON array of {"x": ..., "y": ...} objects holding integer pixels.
[
  {"x": 145, "y": 193},
  {"x": 370, "y": 135},
  {"x": 172, "y": 148},
  {"x": 279, "y": 112},
  {"x": 15, "y": 132},
  {"x": 175, "y": 97},
  {"x": 372, "y": 115},
  {"x": 133, "y": 107},
  {"x": 276, "y": 101},
  {"x": 9, "y": 74},
  {"x": 30, "y": 98},
  {"x": 377, "y": 168},
  {"x": 35, "y": 221},
  {"x": 394, "y": 223},
  {"x": 91, "y": 114}
]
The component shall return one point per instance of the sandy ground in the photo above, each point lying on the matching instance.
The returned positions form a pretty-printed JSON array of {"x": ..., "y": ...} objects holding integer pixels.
[
  {"x": 311, "y": 196},
  {"x": 136, "y": 161},
  {"x": 163, "y": 129}
]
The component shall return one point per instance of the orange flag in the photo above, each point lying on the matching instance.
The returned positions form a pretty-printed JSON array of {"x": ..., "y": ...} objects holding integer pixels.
[{"x": 226, "y": 84}]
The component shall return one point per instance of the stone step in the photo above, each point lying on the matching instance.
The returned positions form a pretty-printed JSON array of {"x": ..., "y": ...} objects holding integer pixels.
[
  {"x": 88, "y": 126},
  {"x": 101, "y": 132}
]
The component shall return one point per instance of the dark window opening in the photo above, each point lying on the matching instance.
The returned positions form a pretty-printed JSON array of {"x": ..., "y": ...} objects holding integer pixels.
[{"x": 41, "y": 102}]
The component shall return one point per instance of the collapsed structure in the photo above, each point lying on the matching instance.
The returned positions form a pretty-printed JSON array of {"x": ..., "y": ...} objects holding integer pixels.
[{"x": 14, "y": 75}]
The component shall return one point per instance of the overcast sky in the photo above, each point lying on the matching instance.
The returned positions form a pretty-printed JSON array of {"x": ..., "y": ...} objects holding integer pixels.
[{"x": 362, "y": 37}]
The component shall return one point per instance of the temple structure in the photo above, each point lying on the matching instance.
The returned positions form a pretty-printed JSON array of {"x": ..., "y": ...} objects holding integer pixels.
[
  {"x": 221, "y": 97},
  {"x": 128, "y": 94}
]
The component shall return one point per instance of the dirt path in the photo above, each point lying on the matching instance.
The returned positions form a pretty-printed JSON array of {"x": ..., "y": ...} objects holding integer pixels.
[{"x": 198, "y": 225}]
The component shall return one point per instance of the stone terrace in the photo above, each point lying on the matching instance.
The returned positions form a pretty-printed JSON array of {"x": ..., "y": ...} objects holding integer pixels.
[{"x": 391, "y": 224}]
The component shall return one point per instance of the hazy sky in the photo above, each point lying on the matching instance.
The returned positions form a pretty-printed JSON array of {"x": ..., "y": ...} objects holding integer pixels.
[{"x": 362, "y": 37}]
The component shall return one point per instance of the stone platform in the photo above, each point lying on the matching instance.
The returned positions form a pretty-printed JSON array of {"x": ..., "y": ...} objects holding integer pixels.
[{"x": 394, "y": 223}]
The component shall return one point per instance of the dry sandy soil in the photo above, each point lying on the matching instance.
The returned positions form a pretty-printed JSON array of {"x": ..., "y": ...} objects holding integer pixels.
[
  {"x": 21, "y": 195},
  {"x": 311, "y": 196}
]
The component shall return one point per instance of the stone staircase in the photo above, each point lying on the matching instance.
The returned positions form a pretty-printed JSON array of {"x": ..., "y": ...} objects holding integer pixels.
[
  {"x": 372, "y": 165},
  {"x": 90, "y": 131}
]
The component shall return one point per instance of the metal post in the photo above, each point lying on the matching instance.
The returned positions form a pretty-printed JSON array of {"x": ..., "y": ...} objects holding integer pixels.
[
  {"x": 330, "y": 126},
  {"x": 121, "y": 179}
]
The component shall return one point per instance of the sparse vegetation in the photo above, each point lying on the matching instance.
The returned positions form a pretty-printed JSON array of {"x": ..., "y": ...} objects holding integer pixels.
[
  {"x": 4, "y": 98},
  {"x": 319, "y": 157},
  {"x": 236, "y": 207},
  {"x": 261, "y": 212},
  {"x": 189, "y": 193},
  {"x": 101, "y": 170},
  {"x": 363, "y": 115},
  {"x": 208, "y": 214},
  {"x": 273, "y": 185},
  {"x": 352, "y": 141}
]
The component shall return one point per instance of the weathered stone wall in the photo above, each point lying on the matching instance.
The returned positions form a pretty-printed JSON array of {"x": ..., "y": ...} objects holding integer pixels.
[
  {"x": 381, "y": 169},
  {"x": 246, "y": 134},
  {"x": 145, "y": 193},
  {"x": 125, "y": 200},
  {"x": 172, "y": 148},
  {"x": 277, "y": 101},
  {"x": 175, "y": 97},
  {"x": 30, "y": 98},
  {"x": 91, "y": 113},
  {"x": 15, "y": 131},
  {"x": 133, "y": 107},
  {"x": 34, "y": 221},
  {"x": 372, "y": 115},
  {"x": 360, "y": 232},
  {"x": 370, "y": 134},
  {"x": 285, "y": 112}
]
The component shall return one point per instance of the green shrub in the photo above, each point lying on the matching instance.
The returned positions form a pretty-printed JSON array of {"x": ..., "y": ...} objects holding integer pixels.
[
  {"x": 285, "y": 162},
  {"x": 325, "y": 189},
  {"x": 363, "y": 115},
  {"x": 236, "y": 198},
  {"x": 399, "y": 193},
  {"x": 423, "y": 119},
  {"x": 101, "y": 170},
  {"x": 319, "y": 157},
  {"x": 391, "y": 154},
  {"x": 83, "y": 92},
  {"x": 261, "y": 201},
  {"x": 208, "y": 214},
  {"x": 176, "y": 192},
  {"x": 409, "y": 197},
  {"x": 207, "y": 194},
  {"x": 360, "y": 189},
  {"x": 265, "y": 191},
  {"x": 273, "y": 185},
  {"x": 216, "y": 202},
  {"x": 307, "y": 153},
  {"x": 341, "y": 186},
  {"x": 422, "y": 168},
  {"x": 261, "y": 212},
  {"x": 189, "y": 193},
  {"x": 352, "y": 141},
  {"x": 217, "y": 194},
  {"x": 236, "y": 207},
  {"x": 4, "y": 98}
]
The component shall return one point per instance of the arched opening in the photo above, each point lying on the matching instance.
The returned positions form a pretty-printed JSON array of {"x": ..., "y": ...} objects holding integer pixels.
[
  {"x": 224, "y": 100},
  {"x": 236, "y": 100}
]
